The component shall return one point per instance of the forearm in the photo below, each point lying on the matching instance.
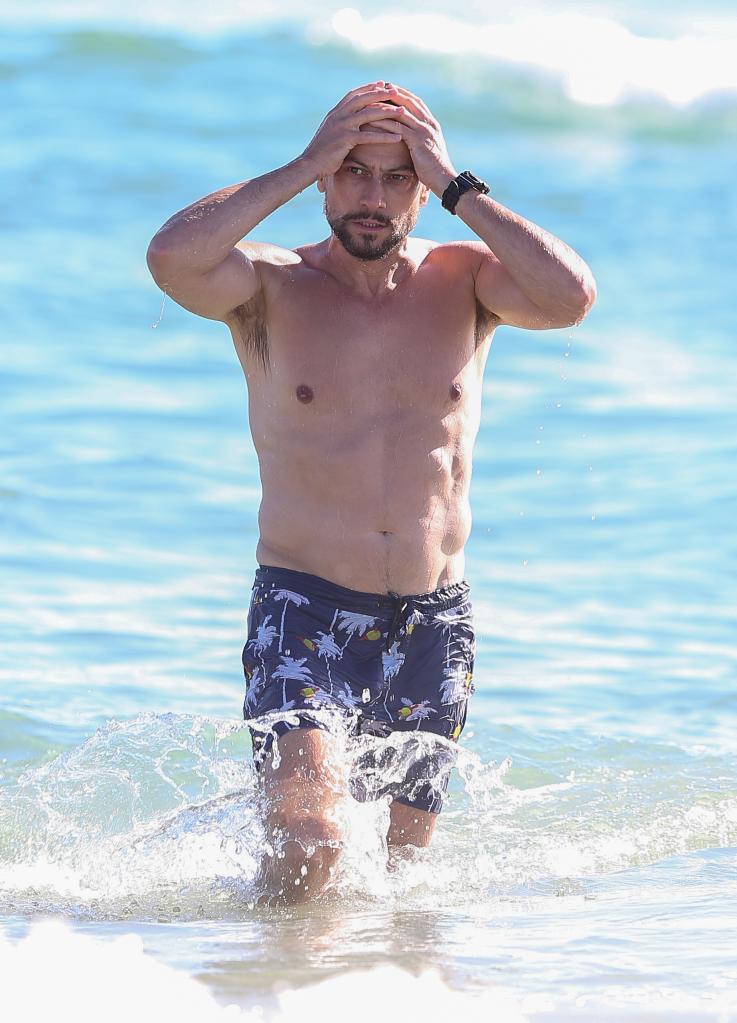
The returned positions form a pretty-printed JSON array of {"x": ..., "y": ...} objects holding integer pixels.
[
  {"x": 201, "y": 235},
  {"x": 547, "y": 270}
]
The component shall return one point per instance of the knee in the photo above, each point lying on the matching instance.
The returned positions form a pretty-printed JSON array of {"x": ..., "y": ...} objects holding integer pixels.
[{"x": 306, "y": 852}]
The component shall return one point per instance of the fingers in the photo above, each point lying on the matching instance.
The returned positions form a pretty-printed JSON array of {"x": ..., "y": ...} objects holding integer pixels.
[
  {"x": 370, "y": 89},
  {"x": 373, "y": 112},
  {"x": 387, "y": 125},
  {"x": 364, "y": 137},
  {"x": 364, "y": 99},
  {"x": 414, "y": 104}
]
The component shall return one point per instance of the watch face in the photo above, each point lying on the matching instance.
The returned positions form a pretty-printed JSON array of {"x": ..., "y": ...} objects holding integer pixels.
[{"x": 474, "y": 182}]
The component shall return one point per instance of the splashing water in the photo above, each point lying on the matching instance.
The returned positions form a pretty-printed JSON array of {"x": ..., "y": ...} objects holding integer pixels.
[{"x": 161, "y": 817}]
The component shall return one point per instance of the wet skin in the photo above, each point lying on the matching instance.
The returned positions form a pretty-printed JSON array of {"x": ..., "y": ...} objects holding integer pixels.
[
  {"x": 365, "y": 417},
  {"x": 364, "y": 356}
]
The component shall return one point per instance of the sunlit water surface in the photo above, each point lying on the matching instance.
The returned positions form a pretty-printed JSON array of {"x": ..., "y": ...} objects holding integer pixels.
[{"x": 586, "y": 862}]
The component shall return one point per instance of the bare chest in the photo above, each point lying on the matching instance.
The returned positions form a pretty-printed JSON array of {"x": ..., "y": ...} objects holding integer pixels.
[{"x": 331, "y": 352}]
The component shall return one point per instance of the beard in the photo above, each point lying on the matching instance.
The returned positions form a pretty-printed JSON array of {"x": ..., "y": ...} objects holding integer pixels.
[{"x": 368, "y": 246}]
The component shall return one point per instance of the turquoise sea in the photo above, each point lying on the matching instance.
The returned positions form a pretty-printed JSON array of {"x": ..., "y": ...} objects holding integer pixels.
[{"x": 586, "y": 864}]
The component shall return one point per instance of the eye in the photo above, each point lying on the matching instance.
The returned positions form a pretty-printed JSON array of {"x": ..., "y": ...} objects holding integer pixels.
[{"x": 355, "y": 170}]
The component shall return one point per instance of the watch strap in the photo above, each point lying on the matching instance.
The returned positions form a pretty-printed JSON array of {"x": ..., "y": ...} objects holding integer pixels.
[{"x": 464, "y": 182}]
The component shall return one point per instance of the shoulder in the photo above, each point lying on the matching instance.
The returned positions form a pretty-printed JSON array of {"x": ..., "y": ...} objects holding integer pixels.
[
  {"x": 268, "y": 259},
  {"x": 459, "y": 263},
  {"x": 458, "y": 258},
  {"x": 461, "y": 255}
]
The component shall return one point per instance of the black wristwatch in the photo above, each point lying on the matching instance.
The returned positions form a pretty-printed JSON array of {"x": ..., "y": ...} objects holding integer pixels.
[{"x": 463, "y": 183}]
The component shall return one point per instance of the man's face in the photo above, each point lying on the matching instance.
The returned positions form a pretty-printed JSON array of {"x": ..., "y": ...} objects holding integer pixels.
[{"x": 373, "y": 201}]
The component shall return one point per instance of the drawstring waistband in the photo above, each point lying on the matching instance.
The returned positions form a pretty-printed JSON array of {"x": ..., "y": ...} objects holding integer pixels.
[{"x": 401, "y": 605}]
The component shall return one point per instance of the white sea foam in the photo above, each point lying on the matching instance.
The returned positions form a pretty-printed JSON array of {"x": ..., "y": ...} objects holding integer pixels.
[
  {"x": 597, "y": 58},
  {"x": 84, "y": 978}
]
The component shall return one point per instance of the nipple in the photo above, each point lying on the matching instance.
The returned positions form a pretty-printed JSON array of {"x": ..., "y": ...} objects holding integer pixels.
[
  {"x": 305, "y": 394},
  {"x": 455, "y": 391}
]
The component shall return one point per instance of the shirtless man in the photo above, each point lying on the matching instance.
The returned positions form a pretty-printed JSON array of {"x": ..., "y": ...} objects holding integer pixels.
[{"x": 363, "y": 355}]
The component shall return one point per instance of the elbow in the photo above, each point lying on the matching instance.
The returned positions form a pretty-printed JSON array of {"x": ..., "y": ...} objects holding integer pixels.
[
  {"x": 583, "y": 300},
  {"x": 158, "y": 260}
]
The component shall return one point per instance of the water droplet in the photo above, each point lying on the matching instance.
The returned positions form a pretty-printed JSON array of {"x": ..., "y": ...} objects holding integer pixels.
[
  {"x": 161, "y": 314},
  {"x": 366, "y": 696}
]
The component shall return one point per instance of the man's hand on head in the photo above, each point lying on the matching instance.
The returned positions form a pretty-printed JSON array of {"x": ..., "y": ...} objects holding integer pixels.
[
  {"x": 357, "y": 118},
  {"x": 417, "y": 127}
]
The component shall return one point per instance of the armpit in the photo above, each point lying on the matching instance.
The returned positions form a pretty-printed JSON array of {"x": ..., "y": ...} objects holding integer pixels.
[
  {"x": 250, "y": 321},
  {"x": 485, "y": 322}
]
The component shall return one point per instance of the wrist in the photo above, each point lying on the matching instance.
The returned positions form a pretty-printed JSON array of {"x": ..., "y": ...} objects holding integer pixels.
[
  {"x": 443, "y": 180},
  {"x": 459, "y": 186},
  {"x": 307, "y": 169}
]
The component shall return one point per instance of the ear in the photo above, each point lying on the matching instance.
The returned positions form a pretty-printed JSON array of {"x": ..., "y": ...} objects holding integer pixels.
[
  {"x": 424, "y": 194},
  {"x": 320, "y": 184}
]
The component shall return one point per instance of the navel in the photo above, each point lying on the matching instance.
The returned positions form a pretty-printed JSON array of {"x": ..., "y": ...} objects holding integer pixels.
[
  {"x": 455, "y": 391},
  {"x": 305, "y": 394}
]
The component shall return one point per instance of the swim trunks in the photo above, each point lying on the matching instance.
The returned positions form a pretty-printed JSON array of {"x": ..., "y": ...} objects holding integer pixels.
[{"x": 382, "y": 663}]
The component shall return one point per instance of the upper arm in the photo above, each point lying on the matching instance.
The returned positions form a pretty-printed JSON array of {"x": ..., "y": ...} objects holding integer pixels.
[
  {"x": 216, "y": 293},
  {"x": 497, "y": 291}
]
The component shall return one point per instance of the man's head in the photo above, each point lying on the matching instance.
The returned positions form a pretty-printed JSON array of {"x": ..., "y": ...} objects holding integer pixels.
[{"x": 372, "y": 202}]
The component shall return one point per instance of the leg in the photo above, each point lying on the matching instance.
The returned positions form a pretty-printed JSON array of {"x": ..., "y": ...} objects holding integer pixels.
[
  {"x": 302, "y": 796},
  {"x": 408, "y": 827}
]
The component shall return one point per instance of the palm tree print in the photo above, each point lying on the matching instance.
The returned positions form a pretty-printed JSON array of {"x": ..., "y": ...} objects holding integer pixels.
[
  {"x": 315, "y": 696},
  {"x": 415, "y": 711},
  {"x": 328, "y": 649},
  {"x": 391, "y": 661},
  {"x": 253, "y": 683},
  {"x": 352, "y": 622},
  {"x": 289, "y": 597},
  {"x": 291, "y": 668},
  {"x": 414, "y": 618},
  {"x": 446, "y": 620},
  {"x": 456, "y": 685},
  {"x": 265, "y": 635}
]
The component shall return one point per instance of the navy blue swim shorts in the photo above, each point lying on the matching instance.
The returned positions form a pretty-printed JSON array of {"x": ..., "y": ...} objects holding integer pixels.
[{"x": 383, "y": 662}]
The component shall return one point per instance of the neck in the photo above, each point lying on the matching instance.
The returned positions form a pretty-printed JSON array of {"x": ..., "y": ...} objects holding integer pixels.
[{"x": 369, "y": 277}]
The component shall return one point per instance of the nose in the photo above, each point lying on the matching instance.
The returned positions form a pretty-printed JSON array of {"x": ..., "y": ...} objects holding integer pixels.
[{"x": 373, "y": 194}]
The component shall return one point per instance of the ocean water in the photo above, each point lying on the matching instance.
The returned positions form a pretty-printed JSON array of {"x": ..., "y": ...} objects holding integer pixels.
[{"x": 586, "y": 864}]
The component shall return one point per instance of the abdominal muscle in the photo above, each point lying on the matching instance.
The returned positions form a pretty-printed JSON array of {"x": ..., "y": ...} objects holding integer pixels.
[{"x": 379, "y": 507}]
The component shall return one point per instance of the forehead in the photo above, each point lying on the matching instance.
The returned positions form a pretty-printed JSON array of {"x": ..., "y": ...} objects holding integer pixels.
[{"x": 380, "y": 156}]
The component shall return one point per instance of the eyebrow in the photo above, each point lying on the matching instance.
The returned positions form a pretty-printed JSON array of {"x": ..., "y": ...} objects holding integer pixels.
[{"x": 391, "y": 170}]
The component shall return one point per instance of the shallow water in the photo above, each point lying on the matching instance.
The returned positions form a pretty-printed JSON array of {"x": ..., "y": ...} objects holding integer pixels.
[{"x": 586, "y": 862}]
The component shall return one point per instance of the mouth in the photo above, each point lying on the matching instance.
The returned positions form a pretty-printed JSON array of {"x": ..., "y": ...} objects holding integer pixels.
[{"x": 369, "y": 225}]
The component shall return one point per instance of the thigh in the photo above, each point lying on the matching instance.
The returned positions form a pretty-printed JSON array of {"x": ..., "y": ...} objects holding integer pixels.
[
  {"x": 292, "y": 659},
  {"x": 307, "y": 780},
  {"x": 430, "y": 694},
  {"x": 432, "y": 688}
]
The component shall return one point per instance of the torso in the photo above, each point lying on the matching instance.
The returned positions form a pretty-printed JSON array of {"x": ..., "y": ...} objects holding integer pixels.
[{"x": 365, "y": 420}]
